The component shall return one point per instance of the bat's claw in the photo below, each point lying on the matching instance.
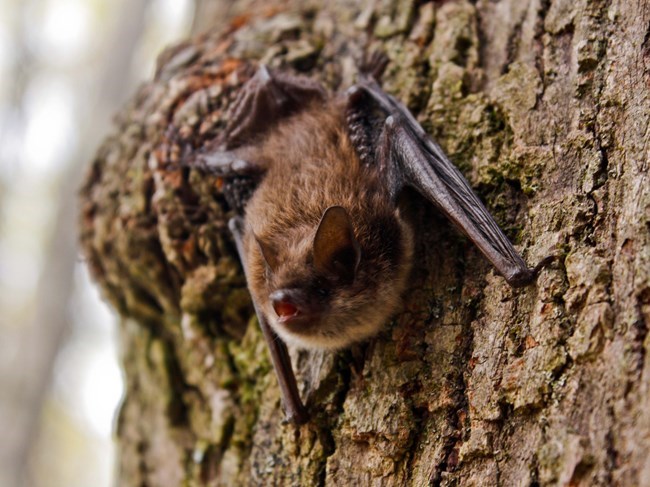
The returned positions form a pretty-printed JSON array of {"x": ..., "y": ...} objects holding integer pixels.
[
  {"x": 375, "y": 64},
  {"x": 528, "y": 276},
  {"x": 544, "y": 263}
]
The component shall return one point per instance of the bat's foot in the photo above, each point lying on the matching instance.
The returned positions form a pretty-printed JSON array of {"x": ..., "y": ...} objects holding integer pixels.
[
  {"x": 264, "y": 100},
  {"x": 375, "y": 64}
]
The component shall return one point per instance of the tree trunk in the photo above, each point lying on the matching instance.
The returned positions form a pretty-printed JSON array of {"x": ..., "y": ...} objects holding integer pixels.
[{"x": 545, "y": 107}]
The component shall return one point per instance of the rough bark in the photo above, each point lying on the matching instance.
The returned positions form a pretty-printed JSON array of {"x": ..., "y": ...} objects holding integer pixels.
[{"x": 545, "y": 106}]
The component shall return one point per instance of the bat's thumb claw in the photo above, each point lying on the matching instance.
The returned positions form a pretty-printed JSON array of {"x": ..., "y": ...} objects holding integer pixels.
[
  {"x": 524, "y": 277},
  {"x": 521, "y": 278},
  {"x": 544, "y": 263}
]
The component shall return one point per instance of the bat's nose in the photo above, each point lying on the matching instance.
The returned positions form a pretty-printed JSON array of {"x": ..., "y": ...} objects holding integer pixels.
[
  {"x": 291, "y": 304},
  {"x": 284, "y": 306}
]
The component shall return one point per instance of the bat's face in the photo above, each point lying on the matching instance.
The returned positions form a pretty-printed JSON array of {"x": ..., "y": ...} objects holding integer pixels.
[{"x": 333, "y": 285}]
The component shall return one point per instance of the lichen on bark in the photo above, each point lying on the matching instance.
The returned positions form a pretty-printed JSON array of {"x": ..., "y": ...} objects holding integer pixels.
[{"x": 544, "y": 106}]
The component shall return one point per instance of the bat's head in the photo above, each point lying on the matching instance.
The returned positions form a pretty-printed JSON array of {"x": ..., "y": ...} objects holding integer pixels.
[{"x": 333, "y": 284}]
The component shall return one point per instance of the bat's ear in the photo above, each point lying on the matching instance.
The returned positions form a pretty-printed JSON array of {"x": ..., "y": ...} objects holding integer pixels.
[
  {"x": 268, "y": 253},
  {"x": 336, "y": 250}
]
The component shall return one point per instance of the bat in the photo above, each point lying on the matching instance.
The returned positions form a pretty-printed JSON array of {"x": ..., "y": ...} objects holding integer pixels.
[{"x": 315, "y": 179}]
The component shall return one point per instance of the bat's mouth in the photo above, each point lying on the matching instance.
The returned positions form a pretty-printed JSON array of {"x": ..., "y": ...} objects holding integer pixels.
[
  {"x": 297, "y": 322},
  {"x": 294, "y": 317}
]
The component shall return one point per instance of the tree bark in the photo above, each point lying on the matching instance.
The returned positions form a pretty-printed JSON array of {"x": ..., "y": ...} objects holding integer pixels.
[{"x": 545, "y": 106}]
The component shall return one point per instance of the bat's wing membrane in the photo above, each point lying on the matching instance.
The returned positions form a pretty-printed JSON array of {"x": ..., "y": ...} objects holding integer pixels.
[
  {"x": 293, "y": 406},
  {"x": 414, "y": 159},
  {"x": 264, "y": 100}
]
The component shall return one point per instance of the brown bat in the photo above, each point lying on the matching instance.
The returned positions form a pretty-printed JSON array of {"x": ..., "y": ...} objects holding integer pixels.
[{"x": 325, "y": 248}]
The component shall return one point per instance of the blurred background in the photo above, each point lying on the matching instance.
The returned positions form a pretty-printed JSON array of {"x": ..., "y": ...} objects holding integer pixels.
[{"x": 66, "y": 67}]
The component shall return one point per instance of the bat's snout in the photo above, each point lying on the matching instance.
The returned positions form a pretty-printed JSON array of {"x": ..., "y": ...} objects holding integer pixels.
[{"x": 293, "y": 306}]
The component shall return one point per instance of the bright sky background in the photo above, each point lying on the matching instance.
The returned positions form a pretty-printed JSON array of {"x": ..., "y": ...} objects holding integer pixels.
[{"x": 57, "y": 43}]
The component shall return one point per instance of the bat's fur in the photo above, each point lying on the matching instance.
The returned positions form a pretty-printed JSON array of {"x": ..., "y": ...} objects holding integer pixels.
[
  {"x": 312, "y": 165},
  {"x": 325, "y": 247}
]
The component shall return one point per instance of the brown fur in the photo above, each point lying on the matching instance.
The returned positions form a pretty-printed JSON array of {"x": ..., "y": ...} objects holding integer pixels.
[{"x": 311, "y": 165}]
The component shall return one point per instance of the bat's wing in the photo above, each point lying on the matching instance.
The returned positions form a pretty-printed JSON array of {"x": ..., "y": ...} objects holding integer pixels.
[
  {"x": 293, "y": 406},
  {"x": 264, "y": 100},
  {"x": 409, "y": 157}
]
